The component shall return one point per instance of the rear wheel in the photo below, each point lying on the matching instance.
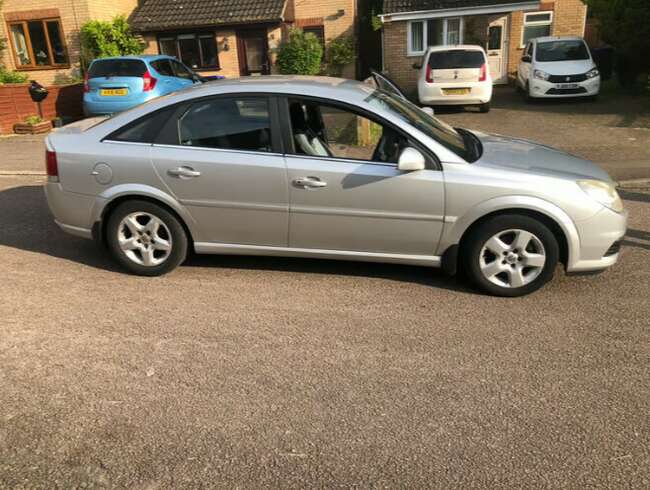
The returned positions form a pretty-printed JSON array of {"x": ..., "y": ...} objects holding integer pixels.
[
  {"x": 145, "y": 238},
  {"x": 510, "y": 255},
  {"x": 483, "y": 108}
]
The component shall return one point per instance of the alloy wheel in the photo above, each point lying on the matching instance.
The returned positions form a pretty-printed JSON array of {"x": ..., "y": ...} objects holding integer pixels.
[{"x": 144, "y": 239}]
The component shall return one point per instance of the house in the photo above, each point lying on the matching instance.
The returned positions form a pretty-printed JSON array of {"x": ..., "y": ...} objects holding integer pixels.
[
  {"x": 501, "y": 26},
  {"x": 237, "y": 37},
  {"x": 42, "y": 36}
]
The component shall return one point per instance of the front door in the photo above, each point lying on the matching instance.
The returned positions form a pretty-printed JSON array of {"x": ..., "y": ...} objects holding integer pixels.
[
  {"x": 496, "y": 50},
  {"x": 252, "y": 50},
  {"x": 346, "y": 192}
]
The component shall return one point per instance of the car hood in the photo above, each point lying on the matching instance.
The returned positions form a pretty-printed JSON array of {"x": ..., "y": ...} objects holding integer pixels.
[
  {"x": 577, "y": 67},
  {"x": 527, "y": 156}
]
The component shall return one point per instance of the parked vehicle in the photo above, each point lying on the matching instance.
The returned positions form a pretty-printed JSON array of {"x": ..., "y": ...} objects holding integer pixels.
[
  {"x": 115, "y": 84},
  {"x": 328, "y": 168},
  {"x": 555, "y": 67},
  {"x": 455, "y": 75}
]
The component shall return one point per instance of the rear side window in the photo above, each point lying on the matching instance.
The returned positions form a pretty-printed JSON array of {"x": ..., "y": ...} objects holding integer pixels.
[
  {"x": 144, "y": 129},
  {"x": 163, "y": 67},
  {"x": 234, "y": 123},
  {"x": 117, "y": 68},
  {"x": 457, "y": 58}
]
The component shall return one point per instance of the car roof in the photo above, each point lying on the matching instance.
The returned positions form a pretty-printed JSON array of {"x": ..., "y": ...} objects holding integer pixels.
[
  {"x": 556, "y": 38},
  {"x": 451, "y": 47},
  {"x": 143, "y": 57}
]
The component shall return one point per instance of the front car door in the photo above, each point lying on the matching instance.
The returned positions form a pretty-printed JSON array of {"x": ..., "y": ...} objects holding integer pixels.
[
  {"x": 346, "y": 192},
  {"x": 221, "y": 158},
  {"x": 523, "y": 72}
]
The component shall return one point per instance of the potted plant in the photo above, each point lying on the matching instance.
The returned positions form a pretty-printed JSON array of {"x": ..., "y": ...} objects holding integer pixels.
[{"x": 33, "y": 125}]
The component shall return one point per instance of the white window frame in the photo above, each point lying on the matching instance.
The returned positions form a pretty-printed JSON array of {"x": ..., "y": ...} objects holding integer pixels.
[
  {"x": 425, "y": 34},
  {"x": 525, "y": 24}
]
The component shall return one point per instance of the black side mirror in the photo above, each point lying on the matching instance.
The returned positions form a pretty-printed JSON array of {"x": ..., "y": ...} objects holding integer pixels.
[
  {"x": 417, "y": 66},
  {"x": 526, "y": 58}
]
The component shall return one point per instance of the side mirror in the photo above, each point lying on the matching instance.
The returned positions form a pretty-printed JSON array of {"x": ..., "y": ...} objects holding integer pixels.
[
  {"x": 410, "y": 160},
  {"x": 417, "y": 66},
  {"x": 428, "y": 110},
  {"x": 526, "y": 58}
]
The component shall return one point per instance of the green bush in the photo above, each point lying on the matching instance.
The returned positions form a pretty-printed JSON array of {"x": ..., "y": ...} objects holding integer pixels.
[
  {"x": 340, "y": 52},
  {"x": 301, "y": 54},
  {"x": 7, "y": 76},
  {"x": 101, "y": 39}
]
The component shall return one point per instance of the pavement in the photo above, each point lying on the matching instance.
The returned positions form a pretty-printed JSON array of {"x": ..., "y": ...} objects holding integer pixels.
[
  {"x": 245, "y": 372},
  {"x": 614, "y": 132}
]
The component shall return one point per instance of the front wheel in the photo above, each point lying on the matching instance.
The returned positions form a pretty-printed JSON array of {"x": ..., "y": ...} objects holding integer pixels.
[
  {"x": 145, "y": 238},
  {"x": 510, "y": 255}
]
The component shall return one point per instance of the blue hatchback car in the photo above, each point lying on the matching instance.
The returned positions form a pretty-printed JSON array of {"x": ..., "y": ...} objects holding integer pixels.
[{"x": 116, "y": 84}]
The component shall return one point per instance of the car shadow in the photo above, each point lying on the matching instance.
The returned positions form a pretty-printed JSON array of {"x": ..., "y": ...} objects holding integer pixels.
[{"x": 27, "y": 224}]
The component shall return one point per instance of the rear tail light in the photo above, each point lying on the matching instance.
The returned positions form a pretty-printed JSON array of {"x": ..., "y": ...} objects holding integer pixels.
[
  {"x": 429, "y": 75},
  {"x": 149, "y": 81},
  {"x": 483, "y": 76},
  {"x": 51, "y": 165},
  {"x": 86, "y": 86}
]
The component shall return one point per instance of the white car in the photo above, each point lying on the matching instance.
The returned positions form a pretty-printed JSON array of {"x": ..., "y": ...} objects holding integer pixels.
[
  {"x": 455, "y": 75},
  {"x": 555, "y": 67}
]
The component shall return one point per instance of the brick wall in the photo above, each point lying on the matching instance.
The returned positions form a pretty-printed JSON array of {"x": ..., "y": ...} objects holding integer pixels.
[
  {"x": 73, "y": 15},
  {"x": 16, "y": 104}
]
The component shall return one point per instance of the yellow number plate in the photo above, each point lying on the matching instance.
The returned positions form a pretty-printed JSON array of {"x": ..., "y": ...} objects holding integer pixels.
[
  {"x": 112, "y": 92},
  {"x": 456, "y": 91}
]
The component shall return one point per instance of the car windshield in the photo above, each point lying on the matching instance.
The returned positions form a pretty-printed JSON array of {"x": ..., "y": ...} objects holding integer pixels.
[
  {"x": 456, "y": 58},
  {"x": 416, "y": 117},
  {"x": 117, "y": 68},
  {"x": 562, "y": 51}
]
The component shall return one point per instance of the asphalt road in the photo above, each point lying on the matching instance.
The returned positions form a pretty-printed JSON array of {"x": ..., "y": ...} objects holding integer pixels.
[{"x": 260, "y": 372}]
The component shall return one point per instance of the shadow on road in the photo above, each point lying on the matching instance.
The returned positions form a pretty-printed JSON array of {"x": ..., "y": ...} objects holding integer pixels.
[{"x": 26, "y": 224}]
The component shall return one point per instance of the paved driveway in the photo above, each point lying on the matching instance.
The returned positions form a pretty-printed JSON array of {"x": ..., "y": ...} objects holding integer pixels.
[
  {"x": 265, "y": 372},
  {"x": 614, "y": 132}
]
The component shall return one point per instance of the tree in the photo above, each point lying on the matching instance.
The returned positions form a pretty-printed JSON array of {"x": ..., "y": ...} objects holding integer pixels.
[
  {"x": 625, "y": 25},
  {"x": 340, "y": 52},
  {"x": 101, "y": 39},
  {"x": 300, "y": 54}
]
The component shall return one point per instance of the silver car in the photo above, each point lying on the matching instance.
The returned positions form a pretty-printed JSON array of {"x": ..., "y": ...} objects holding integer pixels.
[{"x": 328, "y": 168}]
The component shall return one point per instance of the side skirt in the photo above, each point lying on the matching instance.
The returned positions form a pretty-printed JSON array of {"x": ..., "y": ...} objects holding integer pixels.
[{"x": 232, "y": 249}]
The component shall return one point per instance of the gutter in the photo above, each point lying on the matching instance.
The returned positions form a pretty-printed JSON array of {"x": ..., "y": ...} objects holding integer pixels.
[{"x": 456, "y": 12}]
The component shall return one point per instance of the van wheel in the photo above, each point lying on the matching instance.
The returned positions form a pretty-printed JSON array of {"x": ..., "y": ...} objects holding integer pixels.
[
  {"x": 145, "y": 238},
  {"x": 483, "y": 108},
  {"x": 510, "y": 255}
]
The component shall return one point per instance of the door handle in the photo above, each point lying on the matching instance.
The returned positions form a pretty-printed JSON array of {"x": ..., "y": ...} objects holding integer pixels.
[
  {"x": 184, "y": 172},
  {"x": 311, "y": 182}
]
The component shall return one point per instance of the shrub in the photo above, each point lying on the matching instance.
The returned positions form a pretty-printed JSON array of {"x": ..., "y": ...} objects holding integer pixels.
[
  {"x": 101, "y": 39},
  {"x": 340, "y": 52},
  {"x": 7, "y": 76},
  {"x": 301, "y": 54},
  {"x": 33, "y": 120}
]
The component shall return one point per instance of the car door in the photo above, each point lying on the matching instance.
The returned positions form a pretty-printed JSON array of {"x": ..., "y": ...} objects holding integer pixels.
[
  {"x": 346, "y": 192},
  {"x": 167, "y": 78},
  {"x": 221, "y": 159},
  {"x": 184, "y": 76},
  {"x": 523, "y": 71}
]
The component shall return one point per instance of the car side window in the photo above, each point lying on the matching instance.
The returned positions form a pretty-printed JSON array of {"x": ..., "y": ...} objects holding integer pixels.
[
  {"x": 231, "y": 123},
  {"x": 144, "y": 129},
  {"x": 181, "y": 71},
  {"x": 529, "y": 50},
  {"x": 163, "y": 67},
  {"x": 322, "y": 130}
]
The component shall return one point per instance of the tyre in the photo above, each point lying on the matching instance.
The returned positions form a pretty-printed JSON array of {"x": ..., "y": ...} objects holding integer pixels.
[
  {"x": 145, "y": 238},
  {"x": 510, "y": 255},
  {"x": 484, "y": 108}
]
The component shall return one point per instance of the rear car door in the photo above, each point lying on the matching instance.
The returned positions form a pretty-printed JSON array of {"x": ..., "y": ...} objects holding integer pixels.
[
  {"x": 184, "y": 76},
  {"x": 221, "y": 158},
  {"x": 523, "y": 71},
  {"x": 346, "y": 192},
  {"x": 166, "y": 75}
]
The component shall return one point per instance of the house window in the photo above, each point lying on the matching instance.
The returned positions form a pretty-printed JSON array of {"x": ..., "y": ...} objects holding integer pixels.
[
  {"x": 38, "y": 43},
  {"x": 318, "y": 31},
  {"x": 433, "y": 32},
  {"x": 536, "y": 24},
  {"x": 198, "y": 51}
]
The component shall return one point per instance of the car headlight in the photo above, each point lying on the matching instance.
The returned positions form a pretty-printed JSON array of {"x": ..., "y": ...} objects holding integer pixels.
[
  {"x": 593, "y": 73},
  {"x": 602, "y": 192},
  {"x": 542, "y": 75}
]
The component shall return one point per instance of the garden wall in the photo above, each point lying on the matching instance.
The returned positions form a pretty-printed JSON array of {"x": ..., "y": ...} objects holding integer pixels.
[{"x": 64, "y": 101}]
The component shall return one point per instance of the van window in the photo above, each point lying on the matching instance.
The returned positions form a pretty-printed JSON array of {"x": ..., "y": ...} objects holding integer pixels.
[
  {"x": 456, "y": 58},
  {"x": 117, "y": 68}
]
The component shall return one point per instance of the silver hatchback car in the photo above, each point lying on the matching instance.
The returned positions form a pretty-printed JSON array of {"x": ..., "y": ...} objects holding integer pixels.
[{"x": 328, "y": 168}]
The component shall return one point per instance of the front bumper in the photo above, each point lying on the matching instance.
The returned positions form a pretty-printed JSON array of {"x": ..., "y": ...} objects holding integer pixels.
[
  {"x": 544, "y": 89},
  {"x": 597, "y": 237}
]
